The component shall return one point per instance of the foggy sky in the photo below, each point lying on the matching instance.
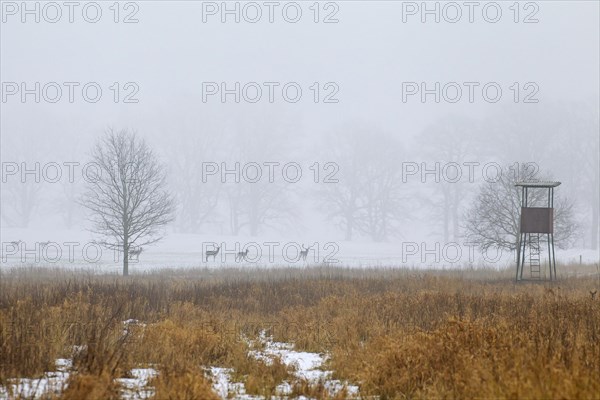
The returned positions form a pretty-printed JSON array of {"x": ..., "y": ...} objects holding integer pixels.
[{"x": 369, "y": 53}]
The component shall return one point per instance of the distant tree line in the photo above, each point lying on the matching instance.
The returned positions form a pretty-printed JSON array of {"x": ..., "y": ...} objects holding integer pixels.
[{"x": 372, "y": 197}]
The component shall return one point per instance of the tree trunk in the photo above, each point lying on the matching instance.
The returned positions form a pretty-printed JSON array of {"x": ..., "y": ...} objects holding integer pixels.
[{"x": 125, "y": 257}]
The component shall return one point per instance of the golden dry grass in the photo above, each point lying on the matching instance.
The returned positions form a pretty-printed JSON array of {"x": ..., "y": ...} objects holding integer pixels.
[{"x": 396, "y": 333}]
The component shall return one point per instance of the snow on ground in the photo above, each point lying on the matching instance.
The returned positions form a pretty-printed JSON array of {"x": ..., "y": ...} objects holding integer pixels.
[
  {"x": 225, "y": 388},
  {"x": 77, "y": 250},
  {"x": 52, "y": 382},
  {"x": 137, "y": 388},
  {"x": 134, "y": 388},
  {"x": 307, "y": 367},
  {"x": 129, "y": 323}
]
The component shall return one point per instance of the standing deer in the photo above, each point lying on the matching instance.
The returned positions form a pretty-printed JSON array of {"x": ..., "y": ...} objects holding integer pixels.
[
  {"x": 304, "y": 253},
  {"x": 241, "y": 255},
  {"x": 212, "y": 253},
  {"x": 135, "y": 252}
]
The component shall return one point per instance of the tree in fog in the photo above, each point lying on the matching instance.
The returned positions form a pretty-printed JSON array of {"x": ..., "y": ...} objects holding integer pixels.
[
  {"x": 69, "y": 189},
  {"x": 578, "y": 153},
  {"x": 20, "y": 200},
  {"x": 196, "y": 200},
  {"x": 382, "y": 202},
  {"x": 447, "y": 144},
  {"x": 562, "y": 137},
  {"x": 23, "y": 182},
  {"x": 257, "y": 202},
  {"x": 254, "y": 206},
  {"x": 493, "y": 219},
  {"x": 338, "y": 198},
  {"x": 339, "y": 201},
  {"x": 368, "y": 197},
  {"x": 127, "y": 196}
]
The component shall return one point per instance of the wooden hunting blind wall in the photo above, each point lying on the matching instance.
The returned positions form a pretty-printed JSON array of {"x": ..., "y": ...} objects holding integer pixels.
[{"x": 535, "y": 222}]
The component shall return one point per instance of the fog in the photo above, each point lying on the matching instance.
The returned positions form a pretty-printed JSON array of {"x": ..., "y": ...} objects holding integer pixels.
[{"x": 363, "y": 102}]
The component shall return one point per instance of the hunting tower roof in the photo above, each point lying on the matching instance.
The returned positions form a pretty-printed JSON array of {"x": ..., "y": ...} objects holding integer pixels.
[{"x": 538, "y": 184}]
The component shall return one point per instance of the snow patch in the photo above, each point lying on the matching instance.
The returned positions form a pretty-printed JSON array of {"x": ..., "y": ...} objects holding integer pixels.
[
  {"x": 51, "y": 383},
  {"x": 137, "y": 388},
  {"x": 307, "y": 367},
  {"x": 224, "y": 387},
  {"x": 54, "y": 383}
]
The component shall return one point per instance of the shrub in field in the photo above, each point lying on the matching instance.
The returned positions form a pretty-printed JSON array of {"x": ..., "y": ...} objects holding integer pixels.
[
  {"x": 91, "y": 387},
  {"x": 262, "y": 378},
  {"x": 187, "y": 384}
]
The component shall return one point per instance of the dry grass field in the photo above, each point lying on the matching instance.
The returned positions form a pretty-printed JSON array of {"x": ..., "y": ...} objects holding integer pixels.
[{"x": 394, "y": 333}]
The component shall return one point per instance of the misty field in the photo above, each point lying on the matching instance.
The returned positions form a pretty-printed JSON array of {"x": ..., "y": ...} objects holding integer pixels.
[{"x": 382, "y": 334}]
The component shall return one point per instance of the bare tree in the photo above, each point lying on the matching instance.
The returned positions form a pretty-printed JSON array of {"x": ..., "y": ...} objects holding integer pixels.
[
  {"x": 338, "y": 198},
  {"x": 24, "y": 188},
  {"x": 561, "y": 136},
  {"x": 66, "y": 203},
  {"x": 70, "y": 187},
  {"x": 447, "y": 140},
  {"x": 266, "y": 203},
  {"x": 259, "y": 205},
  {"x": 493, "y": 219},
  {"x": 382, "y": 201},
  {"x": 339, "y": 202},
  {"x": 196, "y": 200},
  {"x": 368, "y": 196},
  {"x": 20, "y": 201},
  {"x": 579, "y": 137},
  {"x": 126, "y": 195}
]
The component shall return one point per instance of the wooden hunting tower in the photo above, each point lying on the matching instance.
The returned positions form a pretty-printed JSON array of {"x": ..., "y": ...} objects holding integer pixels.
[{"x": 534, "y": 223}]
